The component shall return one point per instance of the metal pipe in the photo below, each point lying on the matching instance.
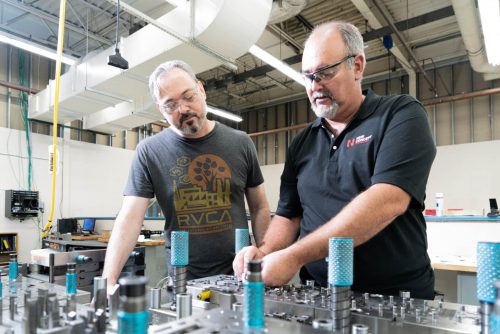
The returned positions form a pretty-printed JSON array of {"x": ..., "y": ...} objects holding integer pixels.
[
  {"x": 287, "y": 128},
  {"x": 459, "y": 97},
  {"x": 11, "y": 85},
  {"x": 226, "y": 61},
  {"x": 403, "y": 43}
]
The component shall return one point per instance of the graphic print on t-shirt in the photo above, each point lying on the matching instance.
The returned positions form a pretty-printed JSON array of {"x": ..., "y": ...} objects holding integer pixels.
[{"x": 202, "y": 194}]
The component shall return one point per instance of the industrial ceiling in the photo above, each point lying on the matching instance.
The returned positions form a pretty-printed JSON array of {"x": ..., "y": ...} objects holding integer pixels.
[{"x": 424, "y": 32}]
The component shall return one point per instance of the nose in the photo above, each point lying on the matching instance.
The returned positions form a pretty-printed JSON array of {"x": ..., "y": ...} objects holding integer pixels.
[
  {"x": 315, "y": 86},
  {"x": 183, "y": 107}
]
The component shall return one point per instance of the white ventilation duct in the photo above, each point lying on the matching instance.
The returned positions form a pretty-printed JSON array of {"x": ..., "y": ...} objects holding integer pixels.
[
  {"x": 470, "y": 27},
  {"x": 108, "y": 99},
  {"x": 285, "y": 9}
]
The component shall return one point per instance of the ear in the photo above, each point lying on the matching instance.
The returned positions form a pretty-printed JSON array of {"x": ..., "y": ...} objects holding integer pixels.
[
  {"x": 359, "y": 66},
  {"x": 201, "y": 88}
]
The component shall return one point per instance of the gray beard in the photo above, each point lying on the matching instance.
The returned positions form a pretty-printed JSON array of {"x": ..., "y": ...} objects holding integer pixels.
[{"x": 326, "y": 112}]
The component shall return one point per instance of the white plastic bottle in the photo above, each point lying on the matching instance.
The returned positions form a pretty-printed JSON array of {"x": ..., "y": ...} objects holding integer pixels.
[{"x": 439, "y": 204}]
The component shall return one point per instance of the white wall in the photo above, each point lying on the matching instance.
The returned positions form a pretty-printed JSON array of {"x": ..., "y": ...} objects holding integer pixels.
[
  {"x": 91, "y": 180},
  {"x": 467, "y": 174}
]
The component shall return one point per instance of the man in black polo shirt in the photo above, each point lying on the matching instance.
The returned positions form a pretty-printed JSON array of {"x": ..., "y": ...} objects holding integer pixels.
[{"x": 359, "y": 170}]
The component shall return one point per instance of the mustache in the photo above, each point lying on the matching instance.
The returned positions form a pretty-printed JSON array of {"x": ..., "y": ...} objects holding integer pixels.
[
  {"x": 186, "y": 116},
  {"x": 317, "y": 95}
]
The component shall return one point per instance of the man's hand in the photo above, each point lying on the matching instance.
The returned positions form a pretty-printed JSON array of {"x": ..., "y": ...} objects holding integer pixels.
[
  {"x": 279, "y": 267},
  {"x": 244, "y": 255}
]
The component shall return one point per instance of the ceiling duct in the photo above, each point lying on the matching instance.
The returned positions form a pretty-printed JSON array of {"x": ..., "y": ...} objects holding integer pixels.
[
  {"x": 109, "y": 99},
  {"x": 283, "y": 10},
  {"x": 470, "y": 27}
]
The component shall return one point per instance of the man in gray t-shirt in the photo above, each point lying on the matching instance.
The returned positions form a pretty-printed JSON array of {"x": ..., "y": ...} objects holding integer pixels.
[{"x": 200, "y": 172}]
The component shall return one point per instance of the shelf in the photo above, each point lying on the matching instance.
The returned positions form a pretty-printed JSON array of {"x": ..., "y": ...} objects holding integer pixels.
[{"x": 8, "y": 245}]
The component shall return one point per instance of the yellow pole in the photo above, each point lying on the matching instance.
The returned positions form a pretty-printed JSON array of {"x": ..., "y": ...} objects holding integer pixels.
[{"x": 60, "y": 41}]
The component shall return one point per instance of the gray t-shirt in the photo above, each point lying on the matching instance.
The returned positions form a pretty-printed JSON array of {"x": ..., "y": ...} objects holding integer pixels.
[{"x": 200, "y": 186}]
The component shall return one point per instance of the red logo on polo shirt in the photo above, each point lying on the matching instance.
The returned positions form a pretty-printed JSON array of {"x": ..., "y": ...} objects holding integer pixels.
[{"x": 358, "y": 140}]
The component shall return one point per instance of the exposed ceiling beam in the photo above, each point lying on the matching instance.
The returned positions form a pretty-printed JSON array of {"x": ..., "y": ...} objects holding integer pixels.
[
  {"x": 410, "y": 23},
  {"x": 282, "y": 35},
  {"x": 304, "y": 22},
  {"x": 54, "y": 19},
  {"x": 83, "y": 25},
  {"x": 15, "y": 19},
  {"x": 439, "y": 14}
]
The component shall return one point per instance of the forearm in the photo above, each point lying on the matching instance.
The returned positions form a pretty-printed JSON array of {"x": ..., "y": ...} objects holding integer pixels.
[
  {"x": 259, "y": 212},
  {"x": 124, "y": 236},
  {"x": 121, "y": 243},
  {"x": 260, "y": 224},
  {"x": 363, "y": 218},
  {"x": 282, "y": 232}
]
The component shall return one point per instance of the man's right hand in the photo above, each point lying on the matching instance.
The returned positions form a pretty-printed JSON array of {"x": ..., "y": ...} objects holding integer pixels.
[{"x": 244, "y": 255}]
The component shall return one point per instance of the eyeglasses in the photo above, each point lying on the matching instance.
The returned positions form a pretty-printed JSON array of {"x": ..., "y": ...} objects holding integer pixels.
[
  {"x": 171, "y": 106},
  {"x": 326, "y": 72}
]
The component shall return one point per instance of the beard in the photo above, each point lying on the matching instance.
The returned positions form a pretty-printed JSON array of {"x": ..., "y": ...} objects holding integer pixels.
[
  {"x": 321, "y": 110},
  {"x": 193, "y": 125}
]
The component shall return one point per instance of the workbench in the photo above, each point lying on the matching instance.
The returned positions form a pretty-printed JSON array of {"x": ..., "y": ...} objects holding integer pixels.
[{"x": 452, "y": 247}]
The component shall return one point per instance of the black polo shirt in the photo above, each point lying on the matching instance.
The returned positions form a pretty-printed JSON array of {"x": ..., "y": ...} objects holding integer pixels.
[{"x": 388, "y": 141}]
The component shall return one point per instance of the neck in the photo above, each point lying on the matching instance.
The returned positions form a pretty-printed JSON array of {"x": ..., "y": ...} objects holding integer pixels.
[{"x": 338, "y": 123}]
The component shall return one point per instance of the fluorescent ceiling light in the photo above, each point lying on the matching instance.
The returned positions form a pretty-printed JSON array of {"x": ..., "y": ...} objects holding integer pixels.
[
  {"x": 489, "y": 10},
  {"x": 276, "y": 63},
  {"x": 7, "y": 38},
  {"x": 224, "y": 114}
]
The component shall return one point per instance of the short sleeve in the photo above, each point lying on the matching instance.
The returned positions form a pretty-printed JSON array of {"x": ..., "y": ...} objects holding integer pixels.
[
  {"x": 289, "y": 205},
  {"x": 406, "y": 152},
  {"x": 254, "y": 175},
  {"x": 139, "y": 181}
]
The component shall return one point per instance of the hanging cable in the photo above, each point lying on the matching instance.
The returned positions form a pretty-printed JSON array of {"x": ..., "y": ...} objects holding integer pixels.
[
  {"x": 53, "y": 160},
  {"x": 23, "y": 105}
]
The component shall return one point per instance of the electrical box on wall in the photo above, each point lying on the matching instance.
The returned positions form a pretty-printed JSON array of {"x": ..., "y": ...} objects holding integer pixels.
[{"x": 21, "y": 204}]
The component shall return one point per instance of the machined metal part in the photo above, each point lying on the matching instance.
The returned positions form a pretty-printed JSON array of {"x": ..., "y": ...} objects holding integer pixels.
[
  {"x": 100, "y": 294},
  {"x": 12, "y": 307},
  {"x": 114, "y": 301},
  {"x": 155, "y": 298},
  {"x": 180, "y": 279},
  {"x": 237, "y": 307},
  {"x": 184, "y": 305},
  {"x": 340, "y": 306},
  {"x": 485, "y": 310},
  {"x": 30, "y": 314},
  {"x": 223, "y": 321},
  {"x": 288, "y": 309},
  {"x": 100, "y": 323},
  {"x": 376, "y": 311},
  {"x": 70, "y": 303},
  {"x": 359, "y": 329},
  {"x": 323, "y": 324}
]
